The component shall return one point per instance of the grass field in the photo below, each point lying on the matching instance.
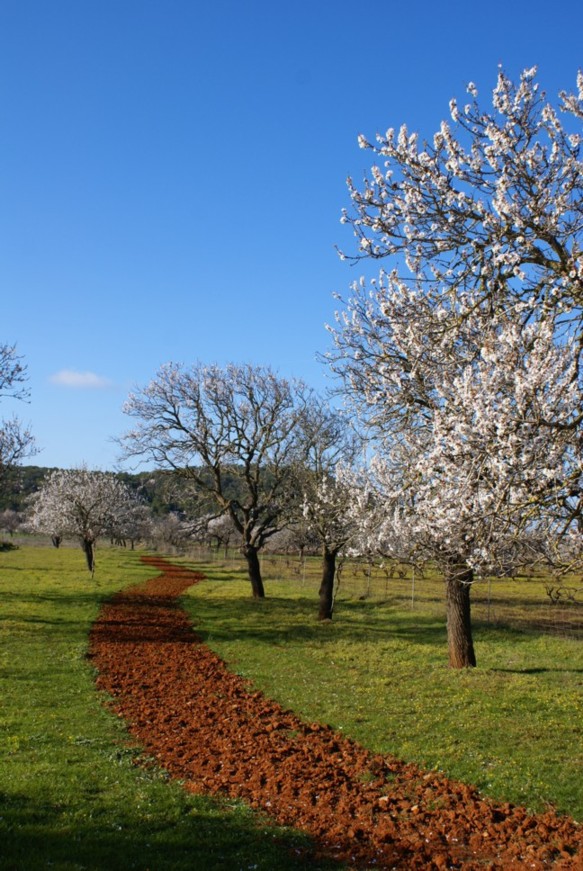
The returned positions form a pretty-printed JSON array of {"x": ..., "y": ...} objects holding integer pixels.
[
  {"x": 71, "y": 795},
  {"x": 378, "y": 672}
]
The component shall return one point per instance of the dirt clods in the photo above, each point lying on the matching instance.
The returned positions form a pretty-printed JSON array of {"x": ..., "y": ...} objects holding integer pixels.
[{"x": 209, "y": 728}]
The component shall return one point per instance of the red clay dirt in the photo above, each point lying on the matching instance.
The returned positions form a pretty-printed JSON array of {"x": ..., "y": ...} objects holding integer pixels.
[{"x": 209, "y": 728}]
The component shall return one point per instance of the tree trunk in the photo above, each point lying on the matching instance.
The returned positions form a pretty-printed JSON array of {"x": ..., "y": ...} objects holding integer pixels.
[
  {"x": 458, "y": 579},
  {"x": 327, "y": 586},
  {"x": 88, "y": 546},
  {"x": 254, "y": 570}
]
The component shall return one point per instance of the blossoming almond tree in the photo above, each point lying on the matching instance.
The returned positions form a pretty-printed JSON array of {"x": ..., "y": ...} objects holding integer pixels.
[
  {"x": 84, "y": 504},
  {"x": 464, "y": 360},
  {"x": 461, "y": 475},
  {"x": 329, "y": 445}
]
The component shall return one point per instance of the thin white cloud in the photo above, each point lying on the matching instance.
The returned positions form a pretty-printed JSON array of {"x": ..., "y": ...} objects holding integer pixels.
[{"x": 83, "y": 380}]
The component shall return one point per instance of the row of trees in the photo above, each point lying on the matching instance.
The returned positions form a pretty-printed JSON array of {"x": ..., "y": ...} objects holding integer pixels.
[
  {"x": 255, "y": 447},
  {"x": 257, "y": 453},
  {"x": 460, "y": 364}
]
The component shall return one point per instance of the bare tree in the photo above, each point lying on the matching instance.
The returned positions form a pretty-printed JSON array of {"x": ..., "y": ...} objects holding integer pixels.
[
  {"x": 222, "y": 531},
  {"x": 170, "y": 531},
  {"x": 16, "y": 441},
  {"x": 232, "y": 432},
  {"x": 13, "y": 374},
  {"x": 10, "y": 521}
]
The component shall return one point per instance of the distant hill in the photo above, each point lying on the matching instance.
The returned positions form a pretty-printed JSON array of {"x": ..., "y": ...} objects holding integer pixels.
[
  {"x": 23, "y": 481},
  {"x": 18, "y": 484},
  {"x": 161, "y": 490}
]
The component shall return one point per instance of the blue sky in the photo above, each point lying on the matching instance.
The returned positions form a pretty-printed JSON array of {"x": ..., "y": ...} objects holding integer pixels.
[{"x": 172, "y": 175}]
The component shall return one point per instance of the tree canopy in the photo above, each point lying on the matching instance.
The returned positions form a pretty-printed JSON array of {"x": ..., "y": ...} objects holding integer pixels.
[
  {"x": 85, "y": 504},
  {"x": 233, "y": 432}
]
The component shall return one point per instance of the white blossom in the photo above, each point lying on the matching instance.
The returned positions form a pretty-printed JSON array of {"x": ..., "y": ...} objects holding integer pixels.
[
  {"x": 464, "y": 358},
  {"x": 85, "y": 504}
]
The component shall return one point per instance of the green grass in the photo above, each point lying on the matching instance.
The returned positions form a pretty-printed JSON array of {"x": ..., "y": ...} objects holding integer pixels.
[
  {"x": 378, "y": 673},
  {"x": 71, "y": 793}
]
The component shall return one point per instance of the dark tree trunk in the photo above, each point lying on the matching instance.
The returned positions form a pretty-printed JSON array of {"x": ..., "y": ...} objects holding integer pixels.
[
  {"x": 88, "y": 546},
  {"x": 56, "y": 540},
  {"x": 458, "y": 579},
  {"x": 254, "y": 570},
  {"x": 327, "y": 586}
]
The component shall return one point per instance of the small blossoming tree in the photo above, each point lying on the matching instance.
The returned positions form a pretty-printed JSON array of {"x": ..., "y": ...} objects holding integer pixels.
[
  {"x": 84, "y": 504},
  {"x": 329, "y": 446}
]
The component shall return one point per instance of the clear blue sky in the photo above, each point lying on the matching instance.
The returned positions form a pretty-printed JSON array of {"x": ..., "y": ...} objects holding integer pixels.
[{"x": 172, "y": 175}]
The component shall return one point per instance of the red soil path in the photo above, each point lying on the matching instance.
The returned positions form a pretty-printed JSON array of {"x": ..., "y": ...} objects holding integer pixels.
[{"x": 208, "y": 727}]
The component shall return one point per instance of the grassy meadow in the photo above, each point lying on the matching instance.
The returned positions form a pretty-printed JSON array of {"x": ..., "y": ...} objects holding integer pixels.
[
  {"x": 71, "y": 794},
  {"x": 378, "y": 672}
]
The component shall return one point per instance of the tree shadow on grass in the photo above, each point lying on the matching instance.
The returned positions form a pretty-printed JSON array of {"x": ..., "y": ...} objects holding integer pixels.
[
  {"x": 203, "y": 835},
  {"x": 565, "y": 670},
  {"x": 36, "y": 607},
  {"x": 270, "y": 625}
]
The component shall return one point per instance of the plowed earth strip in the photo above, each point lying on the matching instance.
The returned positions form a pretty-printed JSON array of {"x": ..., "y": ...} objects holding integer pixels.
[{"x": 209, "y": 728}]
